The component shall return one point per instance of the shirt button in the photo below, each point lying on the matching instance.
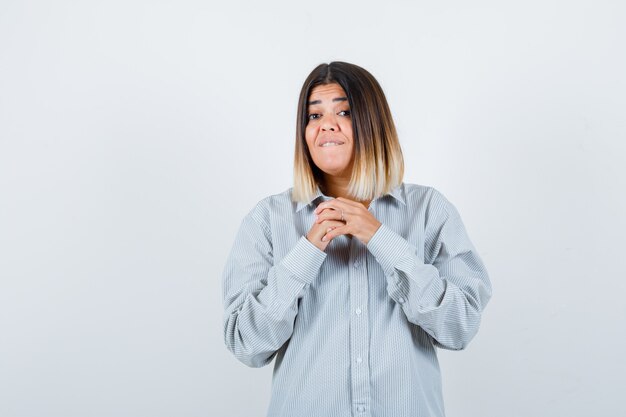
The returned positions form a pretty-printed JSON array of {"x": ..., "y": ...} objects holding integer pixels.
[
  {"x": 357, "y": 264},
  {"x": 360, "y": 409},
  {"x": 358, "y": 311},
  {"x": 401, "y": 300},
  {"x": 359, "y": 360}
]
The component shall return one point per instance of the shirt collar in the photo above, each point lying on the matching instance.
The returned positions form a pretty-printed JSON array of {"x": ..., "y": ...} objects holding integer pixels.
[
  {"x": 318, "y": 194},
  {"x": 397, "y": 193}
]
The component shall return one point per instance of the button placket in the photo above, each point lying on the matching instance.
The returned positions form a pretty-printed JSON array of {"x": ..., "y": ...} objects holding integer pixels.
[{"x": 359, "y": 326}]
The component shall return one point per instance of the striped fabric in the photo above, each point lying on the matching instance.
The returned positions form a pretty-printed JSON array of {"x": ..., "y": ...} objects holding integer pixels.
[{"x": 354, "y": 329}]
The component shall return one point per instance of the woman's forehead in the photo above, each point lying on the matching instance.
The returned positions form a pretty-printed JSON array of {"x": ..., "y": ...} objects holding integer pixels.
[{"x": 326, "y": 92}]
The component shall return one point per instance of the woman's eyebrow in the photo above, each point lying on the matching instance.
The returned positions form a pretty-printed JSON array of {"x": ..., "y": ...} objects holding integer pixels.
[{"x": 310, "y": 103}]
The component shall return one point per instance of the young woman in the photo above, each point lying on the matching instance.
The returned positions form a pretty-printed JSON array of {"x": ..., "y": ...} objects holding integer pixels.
[{"x": 352, "y": 278}]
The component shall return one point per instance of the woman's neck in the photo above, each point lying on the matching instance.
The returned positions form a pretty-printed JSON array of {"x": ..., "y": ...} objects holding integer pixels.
[{"x": 338, "y": 187}]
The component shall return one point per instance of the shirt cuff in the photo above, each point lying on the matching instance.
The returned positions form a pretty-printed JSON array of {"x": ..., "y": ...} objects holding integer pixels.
[
  {"x": 393, "y": 253},
  {"x": 304, "y": 260},
  {"x": 388, "y": 248}
]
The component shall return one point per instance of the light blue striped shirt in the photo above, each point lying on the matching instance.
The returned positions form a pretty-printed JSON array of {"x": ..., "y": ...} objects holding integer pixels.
[{"x": 353, "y": 330}]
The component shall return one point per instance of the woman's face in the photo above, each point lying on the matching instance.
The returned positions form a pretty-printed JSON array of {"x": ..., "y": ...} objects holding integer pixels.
[{"x": 328, "y": 133}]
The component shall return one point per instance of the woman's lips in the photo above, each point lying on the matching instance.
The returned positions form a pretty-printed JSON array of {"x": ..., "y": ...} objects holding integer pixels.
[
  {"x": 328, "y": 140},
  {"x": 331, "y": 143}
]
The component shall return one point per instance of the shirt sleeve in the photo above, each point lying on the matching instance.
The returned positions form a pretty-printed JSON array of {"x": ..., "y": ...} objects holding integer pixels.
[
  {"x": 445, "y": 298},
  {"x": 261, "y": 296}
]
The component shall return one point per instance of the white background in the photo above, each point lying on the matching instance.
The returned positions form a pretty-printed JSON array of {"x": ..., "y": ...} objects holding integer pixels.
[{"x": 135, "y": 135}]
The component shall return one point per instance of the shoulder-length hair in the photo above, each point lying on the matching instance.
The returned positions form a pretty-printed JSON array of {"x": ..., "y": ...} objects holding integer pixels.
[{"x": 378, "y": 163}]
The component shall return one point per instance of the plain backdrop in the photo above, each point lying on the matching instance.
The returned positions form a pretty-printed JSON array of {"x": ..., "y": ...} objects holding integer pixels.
[{"x": 135, "y": 135}]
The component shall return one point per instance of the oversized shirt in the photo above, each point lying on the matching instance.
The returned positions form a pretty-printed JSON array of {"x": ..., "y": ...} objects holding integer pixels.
[{"x": 354, "y": 329}]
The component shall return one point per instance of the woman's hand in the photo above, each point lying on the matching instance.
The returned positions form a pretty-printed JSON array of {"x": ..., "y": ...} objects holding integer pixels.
[
  {"x": 319, "y": 230},
  {"x": 354, "y": 219}
]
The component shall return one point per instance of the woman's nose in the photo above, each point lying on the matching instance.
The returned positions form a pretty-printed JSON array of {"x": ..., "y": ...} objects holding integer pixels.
[{"x": 329, "y": 123}]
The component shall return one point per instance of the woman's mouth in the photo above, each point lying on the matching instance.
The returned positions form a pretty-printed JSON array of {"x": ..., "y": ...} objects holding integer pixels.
[{"x": 331, "y": 143}]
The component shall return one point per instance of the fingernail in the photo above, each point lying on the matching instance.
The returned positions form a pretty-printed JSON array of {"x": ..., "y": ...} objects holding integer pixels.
[{"x": 324, "y": 239}]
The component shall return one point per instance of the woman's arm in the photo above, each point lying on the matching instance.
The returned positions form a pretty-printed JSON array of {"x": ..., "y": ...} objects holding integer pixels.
[
  {"x": 445, "y": 298},
  {"x": 260, "y": 297}
]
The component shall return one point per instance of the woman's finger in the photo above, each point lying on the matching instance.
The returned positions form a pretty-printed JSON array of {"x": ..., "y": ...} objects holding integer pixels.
[
  {"x": 328, "y": 214},
  {"x": 351, "y": 202},
  {"x": 334, "y": 204},
  {"x": 337, "y": 231}
]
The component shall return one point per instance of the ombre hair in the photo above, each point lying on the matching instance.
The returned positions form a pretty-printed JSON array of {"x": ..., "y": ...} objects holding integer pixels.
[{"x": 378, "y": 163}]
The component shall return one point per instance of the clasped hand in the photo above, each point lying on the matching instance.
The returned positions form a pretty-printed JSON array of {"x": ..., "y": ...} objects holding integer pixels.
[{"x": 342, "y": 216}]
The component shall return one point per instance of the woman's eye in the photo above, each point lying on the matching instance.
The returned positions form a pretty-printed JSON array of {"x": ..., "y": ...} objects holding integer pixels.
[
  {"x": 313, "y": 116},
  {"x": 344, "y": 113}
]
